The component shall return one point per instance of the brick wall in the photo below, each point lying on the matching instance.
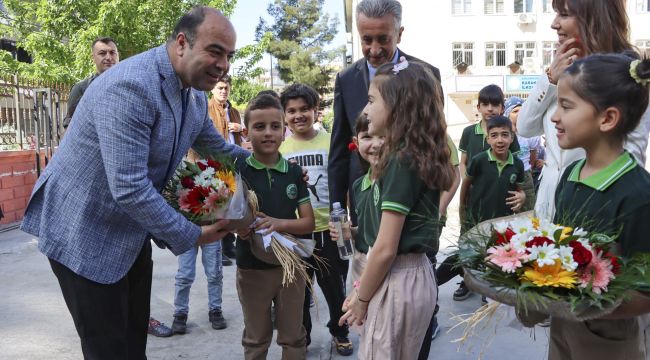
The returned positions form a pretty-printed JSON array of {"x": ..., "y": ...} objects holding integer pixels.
[{"x": 17, "y": 178}]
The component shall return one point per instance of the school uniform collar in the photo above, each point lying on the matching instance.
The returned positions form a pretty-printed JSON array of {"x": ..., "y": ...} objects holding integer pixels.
[
  {"x": 478, "y": 129},
  {"x": 509, "y": 161},
  {"x": 366, "y": 183},
  {"x": 606, "y": 177},
  {"x": 281, "y": 166}
]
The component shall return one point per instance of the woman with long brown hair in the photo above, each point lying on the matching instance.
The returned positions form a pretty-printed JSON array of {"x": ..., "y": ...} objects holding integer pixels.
[{"x": 584, "y": 27}]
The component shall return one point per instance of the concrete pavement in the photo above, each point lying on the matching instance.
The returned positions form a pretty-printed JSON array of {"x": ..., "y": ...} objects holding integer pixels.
[{"x": 35, "y": 323}]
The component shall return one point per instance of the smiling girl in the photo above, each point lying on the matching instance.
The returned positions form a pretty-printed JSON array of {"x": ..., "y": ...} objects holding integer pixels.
[{"x": 581, "y": 31}]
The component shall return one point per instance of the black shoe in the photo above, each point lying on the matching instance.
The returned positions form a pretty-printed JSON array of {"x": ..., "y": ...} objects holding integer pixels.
[
  {"x": 484, "y": 300},
  {"x": 179, "y": 326},
  {"x": 225, "y": 261},
  {"x": 156, "y": 328},
  {"x": 436, "y": 329},
  {"x": 217, "y": 319},
  {"x": 343, "y": 345},
  {"x": 462, "y": 292}
]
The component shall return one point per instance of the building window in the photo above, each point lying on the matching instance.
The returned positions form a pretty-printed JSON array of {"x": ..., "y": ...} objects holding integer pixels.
[
  {"x": 548, "y": 52},
  {"x": 494, "y": 7},
  {"x": 495, "y": 54},
  {"x": 523, "y": 50},
  {"x": 548, "y": 6},
  {"x": 462, "y": 52},
  {"x": 461, "y": 7},
  {"x": 643, "y": 5},
  {"x": 644, "y": 47},
  {"x": 523, "y": 6}
]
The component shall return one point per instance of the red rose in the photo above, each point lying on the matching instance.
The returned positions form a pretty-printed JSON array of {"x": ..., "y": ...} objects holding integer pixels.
[
  {"x": 201, "y": 165},
  {"x": 196, "y": 198},
  {"x": 187, "y": 182},
  {"x": 539, "y": 241},
  {"x": 504, "y": 238},
  {"x": 580, "y": 253},
  {"x": 352, "y": 146},
  {"x": 214, "y": 164}
]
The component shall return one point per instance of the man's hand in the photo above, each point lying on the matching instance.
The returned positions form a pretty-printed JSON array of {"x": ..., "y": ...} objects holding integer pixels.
[{"x": 212, "y": 233}]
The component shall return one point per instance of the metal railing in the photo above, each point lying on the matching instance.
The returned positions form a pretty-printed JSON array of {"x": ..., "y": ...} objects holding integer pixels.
[{"x": 31, "y": 113}]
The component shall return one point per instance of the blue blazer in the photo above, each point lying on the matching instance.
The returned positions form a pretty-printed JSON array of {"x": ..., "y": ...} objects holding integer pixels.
[{"x": 98, "y": 201}]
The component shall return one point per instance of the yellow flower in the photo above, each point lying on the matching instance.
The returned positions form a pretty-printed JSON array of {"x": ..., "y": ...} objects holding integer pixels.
[
  {"x": 535, "y": 222},
  {"x": 228, "y": 178},
  {"x": 566, "y": 232},
  {"x": 550, "y": 275}
]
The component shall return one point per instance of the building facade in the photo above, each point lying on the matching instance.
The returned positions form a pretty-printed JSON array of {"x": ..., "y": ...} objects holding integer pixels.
[{"x": 487, "y": 35}]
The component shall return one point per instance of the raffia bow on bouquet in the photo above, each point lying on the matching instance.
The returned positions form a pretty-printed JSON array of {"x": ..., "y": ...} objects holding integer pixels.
[
  {"x": 545, "y": 269},
  {"x": 283, "y": 249}
]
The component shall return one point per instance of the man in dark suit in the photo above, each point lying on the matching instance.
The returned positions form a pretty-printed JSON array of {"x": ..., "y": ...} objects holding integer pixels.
[
  {"x": 380, "y": 29},
  {"x": 98, "y": 202},
  {"x": 379, "y": 26}
]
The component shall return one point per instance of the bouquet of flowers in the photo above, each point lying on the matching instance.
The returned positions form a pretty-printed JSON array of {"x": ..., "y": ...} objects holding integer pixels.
[
  {"x": 209, "y": 190},
  {"x": 549, "y": 268}
]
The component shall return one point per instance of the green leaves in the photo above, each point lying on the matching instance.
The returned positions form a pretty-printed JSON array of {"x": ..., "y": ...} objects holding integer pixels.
[
  {"x": 58, "y": 33},
  {"x": 300, "y": 32}
]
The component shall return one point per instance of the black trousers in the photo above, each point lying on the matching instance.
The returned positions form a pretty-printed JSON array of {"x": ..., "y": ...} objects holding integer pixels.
[
  {"x": 228, "y": 245},
  {"x": 111, "y": 319},
  {"x": 331, "y": 279}
]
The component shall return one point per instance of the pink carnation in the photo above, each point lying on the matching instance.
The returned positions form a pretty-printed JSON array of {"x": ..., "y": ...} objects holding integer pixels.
[
  {"x": 506, "y": 257},
  {"x": 598, "y": 272}
]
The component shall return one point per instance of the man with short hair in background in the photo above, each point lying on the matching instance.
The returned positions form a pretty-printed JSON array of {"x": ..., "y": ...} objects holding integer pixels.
[{"x": 105, "y": 55}]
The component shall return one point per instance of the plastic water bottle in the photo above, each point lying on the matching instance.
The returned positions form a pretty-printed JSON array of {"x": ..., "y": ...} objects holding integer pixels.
[{"x": 340, "y": 218}]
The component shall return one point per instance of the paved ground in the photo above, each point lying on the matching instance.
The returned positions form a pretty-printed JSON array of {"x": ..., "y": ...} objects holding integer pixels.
[{"x": 35, "y": 323}]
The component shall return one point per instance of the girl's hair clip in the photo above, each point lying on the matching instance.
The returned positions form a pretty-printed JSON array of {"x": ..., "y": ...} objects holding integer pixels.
[
  {"x": 352, "y": 146},
  {"x": 401, "y": 65},
  {"x": 633, "y": 73}
]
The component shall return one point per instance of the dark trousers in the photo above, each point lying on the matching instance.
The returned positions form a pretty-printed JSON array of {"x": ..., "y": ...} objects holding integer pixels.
[
  {"x": 228, "y": 245},
  {"x": 331, "y": 279},
  {"x": 111, "y": 319}
]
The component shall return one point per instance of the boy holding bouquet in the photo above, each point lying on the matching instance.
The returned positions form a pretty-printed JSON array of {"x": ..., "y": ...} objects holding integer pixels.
[{"x": 281, "y": 192}]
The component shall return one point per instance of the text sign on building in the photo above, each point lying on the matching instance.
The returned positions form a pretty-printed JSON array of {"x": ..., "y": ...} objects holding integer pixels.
[{"x": 521, "y": 83}]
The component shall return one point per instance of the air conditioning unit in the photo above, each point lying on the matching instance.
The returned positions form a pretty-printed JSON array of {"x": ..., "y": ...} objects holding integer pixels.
[{"x": 526, "y": 18}]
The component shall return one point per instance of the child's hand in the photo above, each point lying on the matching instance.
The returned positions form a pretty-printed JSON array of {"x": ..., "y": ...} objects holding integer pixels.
[
  {"x": 516, "y": 201},
  {"x": 334, "y": 232},
  {"x": 268, "y": 224},
  {"x": 355, "y": 310},
  {"x": 539, "y": 164}
]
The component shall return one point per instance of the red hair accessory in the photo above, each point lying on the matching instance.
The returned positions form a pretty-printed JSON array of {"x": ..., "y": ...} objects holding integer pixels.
[{"x": 352, "y": 146}]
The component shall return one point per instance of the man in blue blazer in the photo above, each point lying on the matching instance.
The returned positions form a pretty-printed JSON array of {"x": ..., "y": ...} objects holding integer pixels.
[{"x": 97, "y": 204}]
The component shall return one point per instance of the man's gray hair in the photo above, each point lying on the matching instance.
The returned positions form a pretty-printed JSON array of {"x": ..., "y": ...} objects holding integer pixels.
[{"x": 379, "y": 8}]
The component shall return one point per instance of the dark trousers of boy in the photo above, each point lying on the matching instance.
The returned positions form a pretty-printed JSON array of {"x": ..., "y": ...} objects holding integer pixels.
[
  {"x": 331, "y": 279},
  {"x": 257, "y": 290}
]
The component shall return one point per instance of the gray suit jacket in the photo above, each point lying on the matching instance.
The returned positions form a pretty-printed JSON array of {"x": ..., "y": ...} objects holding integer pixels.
[{"x": 98, "y": 200}]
